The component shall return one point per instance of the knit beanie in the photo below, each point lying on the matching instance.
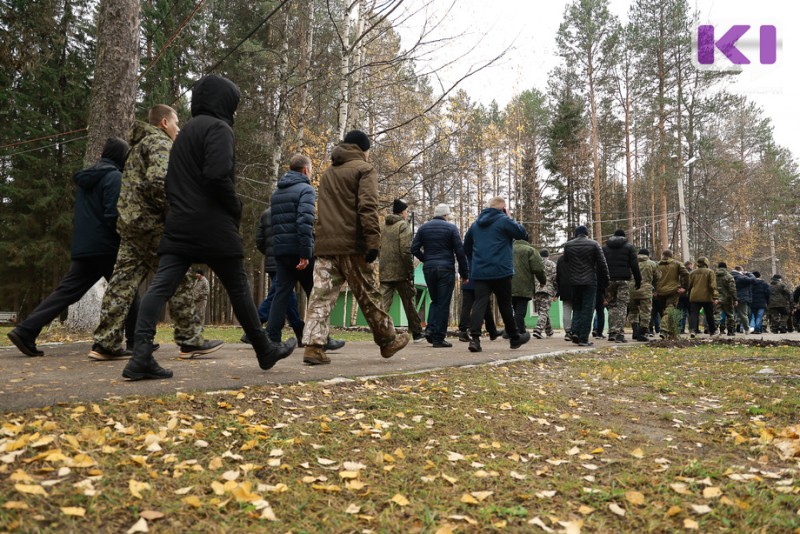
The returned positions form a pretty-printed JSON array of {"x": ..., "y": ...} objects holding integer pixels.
[
  {"x": 441, "y": 210},
  {"x": 399, "y": 206},
  {"x": 116, "y": 150},
  {"x": 357, "y": 137},
  {"x": 619, "y": 233},
  {"x": 544, "y": 253},
  {"x": 581, "y": 230},
  {"x": 644, "y": 251}
]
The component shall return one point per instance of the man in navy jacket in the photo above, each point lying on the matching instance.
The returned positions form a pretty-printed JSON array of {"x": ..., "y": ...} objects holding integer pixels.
[
  {"x": 489, "y": 245},
  {"x": 437, "y": 245}
]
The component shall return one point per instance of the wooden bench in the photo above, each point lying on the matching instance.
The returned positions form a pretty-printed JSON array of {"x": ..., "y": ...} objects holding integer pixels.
[{"x": 8, "y": 317}]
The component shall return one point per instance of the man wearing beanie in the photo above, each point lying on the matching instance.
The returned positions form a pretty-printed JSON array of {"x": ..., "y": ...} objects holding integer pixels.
[
  {"x": 397, "y": 266},
  {"x": 622, "y": 263},
  {"x": 347, "y": 241},
  {"x": 587, "y": 270},
  {"x": 437, "y": 245},
  {"x": 641, "y": 303},
  {"x": 726, "y": 289},
  {"x": 94, "y": 243},
  {"x": 489, "y": 247}
]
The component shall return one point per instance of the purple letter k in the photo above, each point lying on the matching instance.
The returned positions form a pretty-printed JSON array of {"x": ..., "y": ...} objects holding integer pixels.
[{"x": 726, "y": 44}]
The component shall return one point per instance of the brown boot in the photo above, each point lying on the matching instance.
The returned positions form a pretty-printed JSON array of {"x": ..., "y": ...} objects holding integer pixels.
[
  {"x": 400, "y": 341},
  {"x": 315, "y": 355}
]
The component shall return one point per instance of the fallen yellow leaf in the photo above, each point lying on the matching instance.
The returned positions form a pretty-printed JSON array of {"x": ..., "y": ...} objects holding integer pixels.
[
  {"x": 585, "y": 510},
  {"x": 76, "y": 511},
  {"x": 30, "y": 489},
  {"x": 468, "y": 499},
  {"x": 673, "y": 510},
  {"x": 711, "y": 493},
  {"x": 616, "y": 509},
  {"x": 15, "y": 505},
  {"x": 137, "y": 487},
  {"x": 637, "y": 453},
  {"x": 691, "y": 524},
  {"x": 192, "y": 500},
  {"x": 634, "y": 497},
  {"x": 400, "y": 500}
]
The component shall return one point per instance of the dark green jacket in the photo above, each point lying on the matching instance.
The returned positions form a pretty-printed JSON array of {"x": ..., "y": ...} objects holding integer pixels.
[
  {"x": 650, "y": 277},
  {"x": 528, "y": 265},
  {"x": 726, "y": 285},
  {"x": 779, "y": 294},
  {"x": 397, "y": 263}
]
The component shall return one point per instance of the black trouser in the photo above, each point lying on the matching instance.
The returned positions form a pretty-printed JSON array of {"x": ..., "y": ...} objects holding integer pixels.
[
  {"x": 583, "y": 304},
  {"x": 694, "y": 316},
  {"x": 287, "y": 276},
  {"x": 501, "y": 287},
  {"x": 467, "y": 301},
  {"x": 82, "y": 275},
  {"x": 600, "y": 313},
  {"x": 520, "y": 311},
  {"x": 171, "y": 271}
]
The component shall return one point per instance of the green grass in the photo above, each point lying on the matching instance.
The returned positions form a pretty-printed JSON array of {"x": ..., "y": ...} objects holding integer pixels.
[{"x": 559, "y": 440}]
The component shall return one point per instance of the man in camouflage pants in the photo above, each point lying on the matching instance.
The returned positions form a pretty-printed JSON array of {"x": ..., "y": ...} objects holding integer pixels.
[
  {"x": 640, "y": 306},
  {"x": 780, "y": 298},
  {"x": 142, "y": 209},
  {"x": 726, "y": 287},
  {"x": 622, "y": 266},
  {"x": 347, "y": 242},
  {"x": 543, "y": 297}
]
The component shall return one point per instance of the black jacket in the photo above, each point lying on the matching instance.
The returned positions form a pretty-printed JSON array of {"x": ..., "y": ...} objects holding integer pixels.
[
  {"x": 94, "y": 230},
  {"x": 264, "y": 241},
  {"x": 744, "y": 286},
  {"x": 760, "y": 293},
  {"x": 587, "y": 264},
  {"x": 293, "y": 216},
  {"x": 622, "y": 260},
  {"x": 204, "y": 211},
  {"x": 563, "y": 284},
  {"x": 438, "y": 244}
]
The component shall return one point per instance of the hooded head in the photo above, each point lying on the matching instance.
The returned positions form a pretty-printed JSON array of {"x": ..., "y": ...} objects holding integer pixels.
[
  {"x": 581, "y": 230},
  {"x": 215, "y": 96},
  {"x": 115, "y": 150},
  {"x": 722, "y": 265},
  {"x": 702, "y": 262}
]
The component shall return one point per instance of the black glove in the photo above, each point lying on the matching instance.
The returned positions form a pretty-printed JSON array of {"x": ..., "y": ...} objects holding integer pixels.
[{"x": 371, "y": 255}]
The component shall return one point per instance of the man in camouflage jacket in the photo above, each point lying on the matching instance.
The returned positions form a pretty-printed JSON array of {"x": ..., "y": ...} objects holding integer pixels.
[
  {"x": 640, "y": 307},
  {"x": 726, "y": 289},
  {"x": 544, "y": 295},
  {"x": 142, "y": 209},
  {"x": 780, "y": 298}
]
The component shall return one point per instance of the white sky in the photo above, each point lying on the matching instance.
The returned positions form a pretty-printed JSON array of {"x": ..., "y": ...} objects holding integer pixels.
[{"x": 532, "y": 25}]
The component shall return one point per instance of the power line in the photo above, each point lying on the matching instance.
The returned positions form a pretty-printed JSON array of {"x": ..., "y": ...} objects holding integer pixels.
[{"x": 171, "y": 39}]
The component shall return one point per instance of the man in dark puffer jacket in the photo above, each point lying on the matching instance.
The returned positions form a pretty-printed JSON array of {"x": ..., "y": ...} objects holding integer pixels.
[
  {"x": 587, "y": 270},
  {"x": 622, "y": 262},
  {"x": 202, "y": 226},
  {"x": 759, "y": 303}
]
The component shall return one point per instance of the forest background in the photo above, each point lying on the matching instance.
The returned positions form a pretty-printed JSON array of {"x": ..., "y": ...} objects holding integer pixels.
[{"x": 602, "y": 143}]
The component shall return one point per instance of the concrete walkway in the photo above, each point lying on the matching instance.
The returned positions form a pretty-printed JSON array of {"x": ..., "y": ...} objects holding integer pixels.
[{"x": 65, "y": 374}]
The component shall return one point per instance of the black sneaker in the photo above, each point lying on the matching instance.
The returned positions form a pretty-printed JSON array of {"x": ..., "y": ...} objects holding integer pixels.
[
  {"x": 100, "y": 353},
  {"x": 464, "y": 336},
  {"x": 428, "y": 337},
  {"x": 419, "y": 338},
  {"x": 244, "y": 339},
  {"x": 190, "y": 351},
  {"x": 586, "y": 343},
  {"x": 597, "y": 335},
  {"x": 537, "y": 335},
  {"x": 298, "y": 333},
  {"x": 146, "y": 369},
  {"x": 520, "y": 340},
  {"x": 275, "y": 353},
  {"x": 497, "y": 333},
  {"x": 25, "y": 346},
  {"x": 620, "y": 338},
  {"x": 550, "y": 333},
  {"x": 475, "y": 345},
  {"x": 331, "y": 346},
  {"x": 442, "y": 344}
]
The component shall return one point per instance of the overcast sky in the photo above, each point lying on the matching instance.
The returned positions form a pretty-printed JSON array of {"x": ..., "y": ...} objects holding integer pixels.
[{"x": 532, "y": 25}]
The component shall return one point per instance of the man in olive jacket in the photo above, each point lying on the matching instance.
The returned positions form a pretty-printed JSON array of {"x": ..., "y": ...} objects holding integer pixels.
[
  {"x": 641, "y": 304},
  {"x": 202, "y": 226},
  {"x": 672, "y": 284},
  {"x": 726, "y": 289},
  {"x": 397, "y": 266},
  {"x": 702, "y": 294},
  {"x": 348, "y": 239},
  {"x": 528, "y": 267},
  {"x": 780, "y": 298}
]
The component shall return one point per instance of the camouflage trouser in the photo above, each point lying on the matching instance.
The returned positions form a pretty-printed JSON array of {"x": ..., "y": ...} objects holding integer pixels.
[
  {"x": 408, "y": 293},
  {"x": 668, "y": 302},
  {"x": 730, "y": 315},
  {"x": 617, "y": 295},
  {"x": 135, "y": 259},
  {"x": 640, "y": 310},
  {"x": 542, "y": 303},
  {"x": 200, "y": 311},
  {"x": 778, "y": 319},
  {"x": 330, "y": 272}
]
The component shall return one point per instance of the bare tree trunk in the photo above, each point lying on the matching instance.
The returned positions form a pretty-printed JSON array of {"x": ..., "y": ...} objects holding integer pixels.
[
  {"x": 306, "y": 52},
  {"x": 282, "y": 108},
  {"x": 344, "y": 71},
  {"x": 597, "y": 215}
]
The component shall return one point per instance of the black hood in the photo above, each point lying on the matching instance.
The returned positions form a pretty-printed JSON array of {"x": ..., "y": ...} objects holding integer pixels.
[
  {"x": 215, "y": 96},
  {"x": 616, "y": 241},
  {"x": 88, "y": 178}
]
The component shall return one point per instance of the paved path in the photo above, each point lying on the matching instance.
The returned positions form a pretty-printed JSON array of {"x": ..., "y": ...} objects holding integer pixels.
[{"x": 65, "y": 374}]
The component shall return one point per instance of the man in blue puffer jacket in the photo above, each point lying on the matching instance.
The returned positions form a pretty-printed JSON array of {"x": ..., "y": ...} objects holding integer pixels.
[
  {"x": 293, "y": 209},
  {"x": 489, "y": 245},
  {"x": 437, "y": 245}
]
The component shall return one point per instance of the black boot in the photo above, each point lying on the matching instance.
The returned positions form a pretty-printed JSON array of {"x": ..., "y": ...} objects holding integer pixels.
[
  {"x": 331, "y": 344},
  {"x": 143, "y": 366},
  {"x": 269, "y": 353}
]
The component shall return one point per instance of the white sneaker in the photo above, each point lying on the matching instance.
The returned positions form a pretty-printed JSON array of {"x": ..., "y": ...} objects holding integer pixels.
[{"x": 751, "y": 330}]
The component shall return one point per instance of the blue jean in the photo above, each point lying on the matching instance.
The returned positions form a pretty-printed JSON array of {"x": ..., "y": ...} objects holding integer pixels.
[
  {"x": 440, "y": 282},
  {"x": 583, "y": 302},
  {"x": 757, "y": 318},
  {"x": 292, "y": 315}
]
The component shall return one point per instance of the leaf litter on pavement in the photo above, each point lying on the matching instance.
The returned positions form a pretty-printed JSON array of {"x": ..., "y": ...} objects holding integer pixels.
[{"x": 631, "y": 439}]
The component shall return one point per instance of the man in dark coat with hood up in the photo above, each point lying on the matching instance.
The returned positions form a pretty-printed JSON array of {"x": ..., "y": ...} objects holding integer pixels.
[
  {"x": 95, "y": 242},
  {"x": 622, "y": 265},
  {"x": 202, "y": 226}
]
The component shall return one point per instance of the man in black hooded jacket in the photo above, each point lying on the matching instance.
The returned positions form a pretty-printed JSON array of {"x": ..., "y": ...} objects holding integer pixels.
[
  {"x": 622, "y": 263},
  {"x": 202, "y": 226},
  {"x": 94, "y": 245}
]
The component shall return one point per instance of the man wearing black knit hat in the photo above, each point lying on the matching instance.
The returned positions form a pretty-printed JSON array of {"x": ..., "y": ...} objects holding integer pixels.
[
  {"x": 587, "y": 269},
  {"x": 621, "y": 259},
  {"x": 641, "y": 303},
  {"x": 397, "y": 266}
]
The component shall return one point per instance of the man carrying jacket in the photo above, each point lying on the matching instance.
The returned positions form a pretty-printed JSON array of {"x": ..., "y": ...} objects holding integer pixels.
[
  {"x": 142, "y": 211},
  {"x": 397, "y": 266},
  {"x": 587, "y": 270},
  {"x": 543, "y": 297},
  {"x": 622, "y": 263},
  {"x": 437, "y": 245},
  {"x": 671, "y": 285},
  {"x": 489, "y": 248},
  {"x": 94, "y": 244},
  {"x": 202, "y": 226},
  {"x": 702, "y": 295},
  {"x": 347, "y": 242},
  {"x": 528, "y": 270},
  {"x": 641, "y": 303},
  {"x": 726, "y": 289}
]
